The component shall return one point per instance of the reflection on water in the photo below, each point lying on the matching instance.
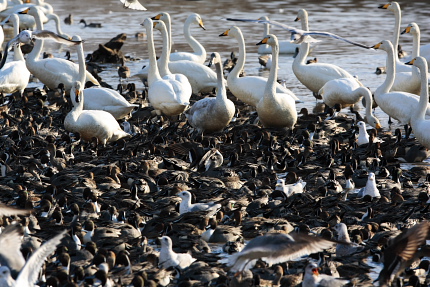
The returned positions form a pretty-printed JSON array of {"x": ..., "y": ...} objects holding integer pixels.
[{"x": 360, "y": 21}]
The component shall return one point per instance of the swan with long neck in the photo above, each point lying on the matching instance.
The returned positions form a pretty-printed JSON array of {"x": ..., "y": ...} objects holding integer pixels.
[
  {"x": 14, "y": 75},
  {"x": 417, "y": 48},
  {"x": 419, "y": 124},
  {"x": 316, "y": 75},
  {"x": 396, "y": 104},
  {"x": 348, "y": 92},
  {"x": 212, "y": 114},
  {"x": 167, "y": 95},
  {"x": 285, "y": 46},
  {"x": 90, "y": 123},
  {"x": 249, "y": 89},
  {"x": 275, "y": 110},
  {"x": 200, "y": 77},
  {"x": 52, "y": 71}
]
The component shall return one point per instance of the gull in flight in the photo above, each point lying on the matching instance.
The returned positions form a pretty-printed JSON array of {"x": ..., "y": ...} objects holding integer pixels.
[
  {"x": 298, "y": 35},
  {"x": 133, "y": 4}
]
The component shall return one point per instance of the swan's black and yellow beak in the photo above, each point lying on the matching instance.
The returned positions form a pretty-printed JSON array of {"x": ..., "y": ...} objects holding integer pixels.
[
  {"x": 377, "y": 46},
  {"x": 385, "y": 6},
  {"x": 157, "y": 17},
  {"x": 201, "y": 25},
  {"x": 25, "y": 11},
  {"x": 407, "y": 30},
  {"x": 378, "y": 126},
  {"x": 225, "y": 33},
  {"x": 297, "y": 19},
  {"x": 264, "y": 41},
  {"x": 411, "y": 62}
]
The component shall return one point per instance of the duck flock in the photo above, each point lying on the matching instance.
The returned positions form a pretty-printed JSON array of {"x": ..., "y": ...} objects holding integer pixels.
[{"x": 207, "y": 176}]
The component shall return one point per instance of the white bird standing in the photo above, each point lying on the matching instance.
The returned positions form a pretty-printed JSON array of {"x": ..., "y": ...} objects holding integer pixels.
[
  {"x": 186, "y": 205},
  {"x": 90, "y": 123},
  {"x": 249, "y": 89},
  {"x": 363, "y": 136},
  {"x": 169, "y": 258},
  {"x": 290, "y": 189},
  {"x": 396, "y": 104},
  {"x": 417, "y": 48},
  {"x": 370, "y": 188},
  {"x": 50, "y": 71},
  {"x": 275, "y": 110},
  {"x": 419, "y": 124},
  {"x": 168, "y": 95},
  {"x": 212, "y": 114}
]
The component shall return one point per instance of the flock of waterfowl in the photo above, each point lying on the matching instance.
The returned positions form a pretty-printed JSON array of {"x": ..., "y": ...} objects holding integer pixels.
[{"x": 207, "y": 179}]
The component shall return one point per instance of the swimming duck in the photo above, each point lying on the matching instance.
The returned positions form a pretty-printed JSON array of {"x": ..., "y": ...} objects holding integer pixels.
[
  {"x": 212, "y": 114},
  {"x": 275, "y": 109}
]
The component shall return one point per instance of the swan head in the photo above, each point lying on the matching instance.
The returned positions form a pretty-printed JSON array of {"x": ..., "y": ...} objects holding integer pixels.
[
  {"x": 270, "y": 39},
  {"x": 196, "y": 18},
  {"x": 159, "y": 25},
  {"x": 234, "y": 30},
  {"x": 301, "y": 14},
  {"x": 163, "y": 16},
  {"x": 418, "y": 62},
  {"x": 392, "y": 6},
  {"x": 374, "y": 122},
  {"x": 384, "y": 45},
  {"x": 412, "y": 28},
  {"x": 215, "y": 58},
  {"x": 76, "y": 91},
  {"x": 147, "y": 23}
]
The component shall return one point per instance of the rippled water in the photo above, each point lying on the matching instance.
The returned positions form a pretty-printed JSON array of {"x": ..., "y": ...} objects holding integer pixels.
[{"x": 360, "y": 21}]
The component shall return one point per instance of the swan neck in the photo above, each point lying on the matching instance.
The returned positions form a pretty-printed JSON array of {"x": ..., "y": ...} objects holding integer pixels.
[
  {"x": 391, "y": 72},
  {"x": 153, "y": 74},
  {"x": 242, "y": 56},
  {"x": 38, "y": 45},
  {"x": 369, "y": 100},
  {"x": 424, "y": 96},
  {"x": 416, "y": 44},
  {"x": 305, "y": 22},
  {"x": 165, "y": 52},
  {"x": 222, "y": 91},
  {"x": 81, "y": 62},
  {"x": 398, "y": 17},
  {"x": 266, "y": 29},
  {"x": 273, "y": 74},
  {"x": 194, "y": 44},
  {"x": 303, "y": 53}
]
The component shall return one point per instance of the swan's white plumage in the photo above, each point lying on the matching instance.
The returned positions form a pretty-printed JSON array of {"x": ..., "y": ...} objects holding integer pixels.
[
  {"x": 248, "y": 89},
  {"x": 109, "y": 100},
  {"x": 52, "y": 71},
  {"x": 212, "y": 114},
  {"x": 169, "y": 94},
  {"x": 417, "y": 48},
  {"x": 348, "y": 92},
  {"x": 275, "y": 110},
  {"x": 421, "y": 126},
  {"x": 398, "y": 105}
]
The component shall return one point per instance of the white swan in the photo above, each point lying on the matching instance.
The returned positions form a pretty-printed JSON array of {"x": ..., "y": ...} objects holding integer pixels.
[
  {"x": 52, "y": 71},
  {"x": 398, "y": 105},
  {"x": 91, "y": 123},
  {"x": 133, "y": 4},
  {"x": 348, "y": 92},
  {"x": 14, "y": 75},
  {"x": 100, "y": 98},
  {"x": 249, "y": 89},
  {"x": 285, "y": 46},
  {"x": 201, "y": 77},
  {"x": 26, "y": 21},
  {"x": 275, "y": 110},
  {"x": 212, "y": 114},
  {"x": 1, "y": 37},
  {"x": 167, "y": 95},
  {"x": 419, "y": 124},
  {"x": 417, "y": 48},
  {"x": 199, "y": 52}
]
